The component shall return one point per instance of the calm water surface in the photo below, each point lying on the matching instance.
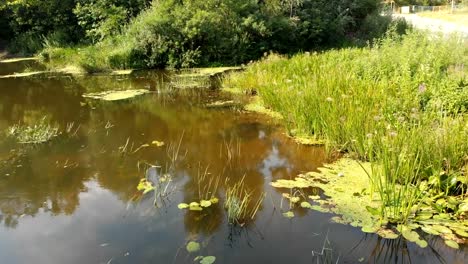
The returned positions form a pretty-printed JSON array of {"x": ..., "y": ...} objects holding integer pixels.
[{"x": 74, "y": 199}]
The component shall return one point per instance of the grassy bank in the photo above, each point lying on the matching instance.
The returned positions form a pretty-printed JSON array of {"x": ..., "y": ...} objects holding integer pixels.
[{"x": 400, "y": 104}]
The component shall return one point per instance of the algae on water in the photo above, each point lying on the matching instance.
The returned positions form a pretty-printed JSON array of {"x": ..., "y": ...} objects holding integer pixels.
[
  {"x": 346, "y": 183},
  {"x": 116, "y": 95}
]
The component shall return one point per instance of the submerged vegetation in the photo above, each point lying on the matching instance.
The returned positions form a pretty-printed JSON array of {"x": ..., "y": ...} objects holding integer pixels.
[
  {"x": 240, "y": 204},
  {"x": 40, "y": 132},
  {"x": 400, "y": 104}
]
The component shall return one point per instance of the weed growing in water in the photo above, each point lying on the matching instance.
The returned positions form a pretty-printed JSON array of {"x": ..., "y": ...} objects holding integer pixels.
[
  {"x": 40, "y": 132},
  {"x": 397, "y": 103},
  {"x": 240, "y": 204}
]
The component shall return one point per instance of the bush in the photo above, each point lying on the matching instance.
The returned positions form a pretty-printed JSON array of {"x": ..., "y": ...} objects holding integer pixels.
[{"x": 212, "y": 32}]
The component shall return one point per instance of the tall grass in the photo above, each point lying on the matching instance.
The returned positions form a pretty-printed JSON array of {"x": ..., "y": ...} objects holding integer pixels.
[
  {"x": 241, "y": 205},
  {"x": 400, "y": 104}
]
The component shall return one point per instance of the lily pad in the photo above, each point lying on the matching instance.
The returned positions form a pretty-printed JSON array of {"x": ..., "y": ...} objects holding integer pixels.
[
  {"x": 193, "y": 246},
  {"x": 387, "y": 233},
  {"x": 290, "y": 184},
  {"x": 320, "y": 208},
  {"x": 314, "y": 197},
  {"x": 205, "y": 203},
  {"x": 288, "y": 214},
  {"x": 370, "y": 229},
  {"x": 194, "y": 206},
  {"x": 208, "y": 260},
  {"x": 420, "y": 216},
  {"x": 338, "y": 220},
  {"x": 183, "y": 206},
  {"x": 430, "y": 230},
  {"x": 451, "y": 244},
  {"x": 461, "y": 232},
  {"x": 412, "y": 236},
  {"x": 295, "y": 199},
  {"x": 442, "y": 229},
  {"x": 306, "y": 205},
  {"x": 158, "y": 143}
]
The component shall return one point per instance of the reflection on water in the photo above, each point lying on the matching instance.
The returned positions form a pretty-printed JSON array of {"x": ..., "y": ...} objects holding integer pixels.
[{"x": 74, "y": 199}]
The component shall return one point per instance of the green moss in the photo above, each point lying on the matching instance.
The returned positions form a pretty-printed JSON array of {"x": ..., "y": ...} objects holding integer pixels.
[{"x": 256, "y": 105}]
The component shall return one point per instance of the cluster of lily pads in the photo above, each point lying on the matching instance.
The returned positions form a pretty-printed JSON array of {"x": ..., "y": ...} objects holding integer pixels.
[
  {"x": 198, "y": 206},
  {"x": 193, "y": 247},
  {"x": 348, "y": 195}
]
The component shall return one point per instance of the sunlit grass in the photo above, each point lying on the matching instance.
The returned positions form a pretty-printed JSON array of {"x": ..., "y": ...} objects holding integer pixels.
[{"x": 398, "y": 104}]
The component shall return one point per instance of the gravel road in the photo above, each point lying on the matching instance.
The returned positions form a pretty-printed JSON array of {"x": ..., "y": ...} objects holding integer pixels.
[{"x": 434, "y": 25}]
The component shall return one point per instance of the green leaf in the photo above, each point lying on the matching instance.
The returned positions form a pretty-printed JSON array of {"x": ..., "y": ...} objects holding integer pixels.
[
  {"x": 288, "y": 214},
  {"x": 387, "y": 233},
  {"x": 409, "y": 234},
  {"x": 208, "y": 260},
  {"x": 306, "y": 205},
  {"x": 451, "y": 244},
  {"x": 294, "y": 199},
  {"x": 370, "y": 229},
  {"x": 412, "y": 236},
  {"x": 214, "y": 200},
  {"x": 194, "y": 206},
  {"x": 463, "y": 207},
  {"x": 373, "y": 211},
  {"x": 183, "y": 206},
  {"x": 205, "y": 203},
  {"x": 421, "y": 242},
  {"x": 461, "y": 232},
  {"x": 430, "y": 230},
  {"x": 442, "y": 229},
  {"x": 193, "y": 246}
]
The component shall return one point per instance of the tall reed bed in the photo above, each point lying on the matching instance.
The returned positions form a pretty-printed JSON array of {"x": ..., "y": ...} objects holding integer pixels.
[{"x": 400, "y": 104}]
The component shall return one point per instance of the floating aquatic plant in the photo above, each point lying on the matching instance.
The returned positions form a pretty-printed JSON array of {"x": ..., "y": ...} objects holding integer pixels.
[
  {"x": 288, "y": 214},
  {"x": 361, "y": 209},
  {"x": 193, "y": 246},
  {"x": 145, "y": 186},
  {"x": 205, "y": 259},
  {"x": 198, "y": 206}
]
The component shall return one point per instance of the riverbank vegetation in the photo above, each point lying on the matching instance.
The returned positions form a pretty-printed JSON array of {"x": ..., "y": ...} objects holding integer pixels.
[
  {"x": 114, "y": 34},
  {"x": 400, "y": 104}
]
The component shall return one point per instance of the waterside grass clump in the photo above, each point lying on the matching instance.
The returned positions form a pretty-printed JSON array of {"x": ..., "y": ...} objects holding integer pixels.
[
  {"x": 400, "y": 104},
  {"x": 40, "y": 132}
]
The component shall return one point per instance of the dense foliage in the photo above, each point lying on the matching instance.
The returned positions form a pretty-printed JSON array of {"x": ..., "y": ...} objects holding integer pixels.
[
  {"x": 30, "y": 23},
  {"x": 181, "y": 33},
  {"x": 401, "y": 104}
]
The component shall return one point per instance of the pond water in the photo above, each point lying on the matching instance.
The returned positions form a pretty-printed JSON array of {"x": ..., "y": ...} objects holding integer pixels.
[{"x": 74, "y": 199}]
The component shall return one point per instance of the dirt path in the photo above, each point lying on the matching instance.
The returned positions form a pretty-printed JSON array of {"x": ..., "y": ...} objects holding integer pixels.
[{"x": 434, "y": 25}]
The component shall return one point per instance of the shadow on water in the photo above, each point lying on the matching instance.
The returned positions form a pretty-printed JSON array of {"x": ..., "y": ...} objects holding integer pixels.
[{"x": 74, "y": 199}]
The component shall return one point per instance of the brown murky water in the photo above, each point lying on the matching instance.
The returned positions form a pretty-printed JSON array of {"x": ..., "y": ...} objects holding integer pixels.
[{"x": 74, "y": 199}]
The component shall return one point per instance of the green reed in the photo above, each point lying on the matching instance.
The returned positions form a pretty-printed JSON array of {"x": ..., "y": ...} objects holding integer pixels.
[{"x": 400, "y": 103}]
